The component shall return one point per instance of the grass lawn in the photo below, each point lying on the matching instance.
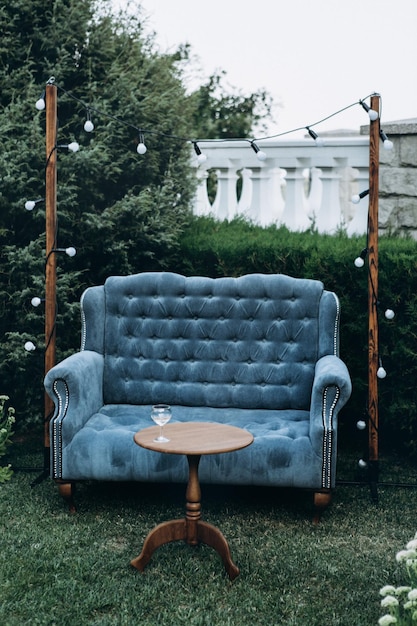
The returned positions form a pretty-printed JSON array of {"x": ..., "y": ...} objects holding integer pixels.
[{"x": 64, "y": 569}]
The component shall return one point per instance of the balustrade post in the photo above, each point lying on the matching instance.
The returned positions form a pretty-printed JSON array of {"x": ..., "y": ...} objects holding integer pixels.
[
  {"x": 225, "y": 203},
  {"x": 295, "y": 216},
  {"x": 202, "y": 204},
  {"x": 329, "y": 217}
]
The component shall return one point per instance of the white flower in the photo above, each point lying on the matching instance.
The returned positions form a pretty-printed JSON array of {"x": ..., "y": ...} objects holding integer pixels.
[
  {"x": 389, "y": 601},
  {"x": 386, "y": 620},
  {"x": 405, "y": 555},
  {"x": 412, "y": 545},
  {"x": 387, "y": 590},
  {"x": 400, "y": 590},
  {"x": 412, "y": 595}
]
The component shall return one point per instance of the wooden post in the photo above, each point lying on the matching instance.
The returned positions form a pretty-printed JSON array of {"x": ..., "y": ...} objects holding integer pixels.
[
  {"x": 373, "y": 356},
  {"x": 51, "y": 232}
]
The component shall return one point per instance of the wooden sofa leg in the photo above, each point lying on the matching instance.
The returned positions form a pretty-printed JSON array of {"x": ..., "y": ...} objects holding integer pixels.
[
  {"x": 322, "y": 500},
  {"x": 67, "y": 491}
]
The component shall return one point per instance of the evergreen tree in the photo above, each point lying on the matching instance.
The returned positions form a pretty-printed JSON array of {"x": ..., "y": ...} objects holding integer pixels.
[{"x": 124, "y": 212}]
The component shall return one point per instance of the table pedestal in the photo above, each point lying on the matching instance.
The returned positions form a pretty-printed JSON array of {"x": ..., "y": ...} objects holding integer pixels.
[{"x": 190, "y": 529}]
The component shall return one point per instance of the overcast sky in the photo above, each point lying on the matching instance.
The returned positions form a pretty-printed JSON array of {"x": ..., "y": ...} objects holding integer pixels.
[{"x": 314, "y": 56}]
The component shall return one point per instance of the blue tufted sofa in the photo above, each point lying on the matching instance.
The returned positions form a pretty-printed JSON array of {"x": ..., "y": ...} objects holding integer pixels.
[{"x": 258, "y": 351}]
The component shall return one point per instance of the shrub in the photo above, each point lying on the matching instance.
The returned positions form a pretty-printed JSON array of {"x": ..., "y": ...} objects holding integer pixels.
[{"x": 6, "y": 424}]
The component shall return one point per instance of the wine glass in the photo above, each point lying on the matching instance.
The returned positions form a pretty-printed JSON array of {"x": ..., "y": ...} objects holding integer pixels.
[{"x": 161, "y": 414}]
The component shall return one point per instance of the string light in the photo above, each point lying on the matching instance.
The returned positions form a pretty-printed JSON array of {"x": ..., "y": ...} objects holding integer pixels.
[
  {"x": 358, "y": 197},
  {"x": 40, "y": 103},
  {"x": 381, "y": 371},
  {"x": 373, "y": 115},
  {"x": 74, "y": 146},
  {"x": 201, "y": 158},
  {"x": 141, "y": 149},
  {"x": 361, "y": 424},
  {"x": 88, "y": 125},
  {"x": 30, "y": 346},
  {"x": 389, "y": 314},
  {"x": 260, "y": 154},
  {"x": 318, "y": 140},
  {"x": 362, "y": 464},
  {"x": 388, "y": 145},
  {"x": 360, "y": 260},
  {"x": 71, "y": 251},
  {"x": 36, "y": 301},
  {"x": 30, "y": 204}
]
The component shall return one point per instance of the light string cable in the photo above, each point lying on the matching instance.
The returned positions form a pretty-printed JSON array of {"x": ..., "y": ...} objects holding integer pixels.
[{"x": 90, "y": 108}]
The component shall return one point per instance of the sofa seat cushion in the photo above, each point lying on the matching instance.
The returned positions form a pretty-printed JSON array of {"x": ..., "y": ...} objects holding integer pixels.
[{"x": 281, "y": 453}]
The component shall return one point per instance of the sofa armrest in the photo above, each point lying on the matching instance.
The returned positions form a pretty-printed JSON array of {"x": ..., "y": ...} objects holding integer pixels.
[
  {"x": 331, "y": 390},
  {"x": 76, "y": 387}
]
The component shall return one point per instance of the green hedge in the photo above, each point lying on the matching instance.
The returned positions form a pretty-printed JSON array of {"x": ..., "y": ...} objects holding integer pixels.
[{"x": 237, "y": 247}]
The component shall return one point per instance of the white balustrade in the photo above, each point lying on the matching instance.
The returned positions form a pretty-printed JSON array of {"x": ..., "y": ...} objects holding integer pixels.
[{"x": 299, "y": 184}]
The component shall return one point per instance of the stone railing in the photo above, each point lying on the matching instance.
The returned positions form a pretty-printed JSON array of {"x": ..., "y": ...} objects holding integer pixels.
[{"x": 300, "y": 184}]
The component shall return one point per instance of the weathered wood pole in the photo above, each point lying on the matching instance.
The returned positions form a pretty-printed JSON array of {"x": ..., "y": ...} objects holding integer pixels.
[
  {"x": 373, "y": 356},
  {"x": 51, "y": 233}
]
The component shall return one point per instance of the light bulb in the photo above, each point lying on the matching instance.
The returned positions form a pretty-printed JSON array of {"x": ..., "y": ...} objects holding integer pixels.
[
  {"x": 70, "y": 251},
  {"x": 260, "y": 154},
  {"x": 389, "y": 314},
  {"x": 388, "y": 145},
  {"x": 88, "y": 126},
  {"x": 357, "y": 197},
  {"x": 201, "y": 158},
  {"x": 35, "y": 301},
  {"x": 318, "y": 140},
  {"x": 73, "y": 146},
  {"x": 381, "y": 372},
  {"x": 361, "y": 425},
  {"x": 360, "y": 260},
  {"x": 373, "y": 115},
  {"x": 30, "y": 346},
  {"x": 362, "y": 464},
  {"x": 30, "y": 205},
  {"x": 40, "y": 104},
  {"x": 141, "y": 149}
]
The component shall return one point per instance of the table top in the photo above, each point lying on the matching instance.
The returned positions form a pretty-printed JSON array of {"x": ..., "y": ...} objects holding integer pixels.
[{"x": 195, "y": 438}]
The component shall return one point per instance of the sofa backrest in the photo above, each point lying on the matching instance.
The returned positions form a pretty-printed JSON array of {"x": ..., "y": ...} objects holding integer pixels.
[{"x": 249, "y": 342}]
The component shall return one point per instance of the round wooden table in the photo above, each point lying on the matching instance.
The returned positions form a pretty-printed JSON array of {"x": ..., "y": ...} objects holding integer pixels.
[{"x": 192, "y": 439}]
